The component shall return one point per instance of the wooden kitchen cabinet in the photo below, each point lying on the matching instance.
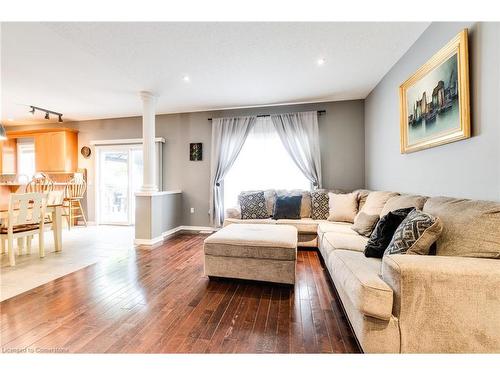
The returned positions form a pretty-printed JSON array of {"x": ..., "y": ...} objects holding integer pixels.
[
  {"x": 56, "y": 151},
  {"x": 8, "y": 156}
]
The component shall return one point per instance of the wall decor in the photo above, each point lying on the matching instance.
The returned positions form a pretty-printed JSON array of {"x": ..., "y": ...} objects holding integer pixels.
[
  {"x": 434, "y": 102},
  {"x": 86, "y": 152},
  {"x": 195, "y": 151}
]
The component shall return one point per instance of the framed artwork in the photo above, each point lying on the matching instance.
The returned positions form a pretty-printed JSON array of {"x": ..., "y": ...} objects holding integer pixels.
[
  {"x": 434, "y": 102},
  {"x": 195, "y": 151}
]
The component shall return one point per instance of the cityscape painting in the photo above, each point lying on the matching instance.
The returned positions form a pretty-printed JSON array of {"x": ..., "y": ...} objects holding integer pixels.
[{"x": 435, "y": 100}]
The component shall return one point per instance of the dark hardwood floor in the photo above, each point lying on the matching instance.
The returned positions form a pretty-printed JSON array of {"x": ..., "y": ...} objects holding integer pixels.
[{"x": 159, "y": 301}]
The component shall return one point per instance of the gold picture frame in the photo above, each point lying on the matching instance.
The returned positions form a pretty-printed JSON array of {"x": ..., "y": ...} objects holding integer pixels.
[{"x": 446, "y": 118}]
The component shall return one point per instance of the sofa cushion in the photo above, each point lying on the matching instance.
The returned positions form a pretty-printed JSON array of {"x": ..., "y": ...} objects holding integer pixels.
[
  {"x": 376, "y": 201},
  {"x": 253, "y": 205},
  {"x": 306, "y": 225},
  {"x": 253, "y": 241},
  {"x": 471, "y": 228},
  {"x": 330, "y": 226},
  {"x": 403, "y": 201},
  {"x": 342, "y": 238},
  {"x": 359, "y": 278},
  {"x": 345, "y": 241},
  {"x": 229, "y": 220},
  {"x": 362, "y": 195},
  {"x": 287, "y": 207},
  {"x": 415, "y": 234},
  {"x": 342, "y": 207}
]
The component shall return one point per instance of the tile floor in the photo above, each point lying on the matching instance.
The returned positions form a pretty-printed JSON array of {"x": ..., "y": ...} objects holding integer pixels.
[{"x": 81, "y": 248}]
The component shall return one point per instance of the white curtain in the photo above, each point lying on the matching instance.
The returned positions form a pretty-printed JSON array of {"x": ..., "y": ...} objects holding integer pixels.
[
  {"x": 263, "y": 163},
  {"x": 300, "y": 135},
  {"x": 228, "y": 137}
]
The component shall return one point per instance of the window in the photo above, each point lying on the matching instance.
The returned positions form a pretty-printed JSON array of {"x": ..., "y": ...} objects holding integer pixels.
[
  {"x": 26, "y": 159},
  {"x": 263, "y": 163}
]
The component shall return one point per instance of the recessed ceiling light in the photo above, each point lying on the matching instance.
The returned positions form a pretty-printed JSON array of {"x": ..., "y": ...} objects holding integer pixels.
[
  {"x": 186, "y": 78},
  {"x": 321, "y": 61}
]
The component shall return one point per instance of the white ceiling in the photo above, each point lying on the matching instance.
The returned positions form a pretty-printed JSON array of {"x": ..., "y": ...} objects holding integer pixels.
[{"x": 95, "y": 70}]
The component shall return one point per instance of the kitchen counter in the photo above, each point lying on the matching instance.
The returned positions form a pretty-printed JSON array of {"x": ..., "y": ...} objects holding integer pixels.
[{"x": 11, "y": 187}]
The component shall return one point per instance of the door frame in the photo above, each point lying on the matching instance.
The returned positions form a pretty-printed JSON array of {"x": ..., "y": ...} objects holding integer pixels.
[
  {"x": 126, "y": 143},
  {"x": 117, "y": 147}
]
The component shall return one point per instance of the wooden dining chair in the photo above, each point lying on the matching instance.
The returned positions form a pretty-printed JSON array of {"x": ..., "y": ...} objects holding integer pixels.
[
  {"x": 73, "y": 196},
  {"x": 40, "y": 185},
  {"x": 25, "y": 219}
]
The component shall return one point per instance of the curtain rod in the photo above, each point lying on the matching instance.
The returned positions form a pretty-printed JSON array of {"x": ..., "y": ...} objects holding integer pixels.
[{"x": 321, "y": 112}]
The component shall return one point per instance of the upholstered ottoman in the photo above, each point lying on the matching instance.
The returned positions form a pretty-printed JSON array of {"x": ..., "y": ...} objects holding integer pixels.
[{"x": 253, "y": 252}]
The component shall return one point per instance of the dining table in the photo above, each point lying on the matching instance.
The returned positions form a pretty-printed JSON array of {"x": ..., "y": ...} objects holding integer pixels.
[{"x": 55, "y": 210}]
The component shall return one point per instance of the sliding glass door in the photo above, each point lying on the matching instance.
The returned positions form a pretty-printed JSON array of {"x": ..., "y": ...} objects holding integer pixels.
[{"x": 119, "y": 176}]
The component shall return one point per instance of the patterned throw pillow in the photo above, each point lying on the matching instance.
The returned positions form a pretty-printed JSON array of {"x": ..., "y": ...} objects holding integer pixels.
[
  {"x": 319, "y": 204},
  {"x": 384, "y": 231},
  {"x": 416, "y": 234},
  {"x": 253, "y": 206}
]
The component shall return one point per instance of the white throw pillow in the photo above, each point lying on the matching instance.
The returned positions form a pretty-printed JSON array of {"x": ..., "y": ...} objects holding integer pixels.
[{"x": 343, "y": 207}]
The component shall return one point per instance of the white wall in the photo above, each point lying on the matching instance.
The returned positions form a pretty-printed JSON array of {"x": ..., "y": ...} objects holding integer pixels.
[{"x": 469, "y": 168}]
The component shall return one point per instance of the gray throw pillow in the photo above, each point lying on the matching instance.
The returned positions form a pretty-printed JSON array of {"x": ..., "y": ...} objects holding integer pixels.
[
  {"x": 253, "y": 206},
  {"x": 416, "y": 234},
  {"x": 364, "y": 224},
  {"x": 319, "y": 203}
]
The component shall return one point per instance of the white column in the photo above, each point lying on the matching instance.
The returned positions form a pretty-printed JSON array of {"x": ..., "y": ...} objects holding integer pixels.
[{"x": 148, "y": 140}]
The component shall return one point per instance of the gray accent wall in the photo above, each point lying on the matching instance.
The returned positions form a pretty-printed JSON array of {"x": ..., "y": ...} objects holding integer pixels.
[
  {"x": 467, "y": 169},
  {"x": 157, "y": 214},
  {"x": 342, "y": 149}
]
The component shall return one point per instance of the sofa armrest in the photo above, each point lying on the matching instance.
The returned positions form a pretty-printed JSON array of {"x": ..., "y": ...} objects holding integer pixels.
[
  {"x": 445, "y": 304},
  {"x": 232, "y": 213}
]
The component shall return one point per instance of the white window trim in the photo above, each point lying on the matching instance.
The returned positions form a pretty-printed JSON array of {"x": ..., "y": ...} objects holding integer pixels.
[{"x": 129, "y": 141}]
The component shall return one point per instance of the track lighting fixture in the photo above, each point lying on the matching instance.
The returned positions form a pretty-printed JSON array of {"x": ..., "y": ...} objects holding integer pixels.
[{"x": 48, "y": 112}]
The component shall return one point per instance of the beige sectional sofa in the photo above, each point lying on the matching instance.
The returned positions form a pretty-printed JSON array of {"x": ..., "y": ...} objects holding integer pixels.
[
  {"x": 443, "y": 303},
  {"x": 307, "y": 228}
]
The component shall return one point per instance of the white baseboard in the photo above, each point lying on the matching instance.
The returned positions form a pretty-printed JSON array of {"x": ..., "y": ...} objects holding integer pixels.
[
  {"x": 148, "y": 242},
  {"x": 157, "y": 240}
]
